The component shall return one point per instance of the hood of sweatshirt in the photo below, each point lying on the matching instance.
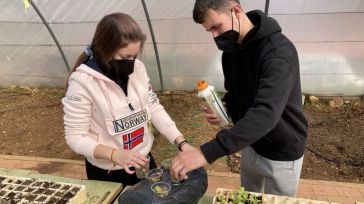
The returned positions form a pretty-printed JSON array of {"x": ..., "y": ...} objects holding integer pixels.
[
  {"x": 111, "y": 72},
  {"x": 263, "y": 27}
]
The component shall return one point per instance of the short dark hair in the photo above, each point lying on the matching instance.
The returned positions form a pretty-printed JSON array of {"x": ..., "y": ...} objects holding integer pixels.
[{"x": 201, "y": 7}]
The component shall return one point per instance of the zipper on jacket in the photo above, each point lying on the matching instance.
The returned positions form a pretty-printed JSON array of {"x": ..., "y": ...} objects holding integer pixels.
[
  {"x": 126, "y": 98},
  {"x": 131, "y": 107}
]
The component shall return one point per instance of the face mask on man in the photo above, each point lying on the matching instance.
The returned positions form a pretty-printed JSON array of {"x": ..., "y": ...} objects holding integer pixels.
[
  {"x": 226, "y": 41},
  {"x": 123, "y": 67}
]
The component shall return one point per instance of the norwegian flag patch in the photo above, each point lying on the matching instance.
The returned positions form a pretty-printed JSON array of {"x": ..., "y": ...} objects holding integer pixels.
[{"x": 133, "y": 139}]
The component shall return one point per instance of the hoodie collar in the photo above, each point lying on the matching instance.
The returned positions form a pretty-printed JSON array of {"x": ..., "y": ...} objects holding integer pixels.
[
  {"x": 263, "y": 27},
  {"x": 93, "y": 71},
  {"x": 92, "y": 63}
]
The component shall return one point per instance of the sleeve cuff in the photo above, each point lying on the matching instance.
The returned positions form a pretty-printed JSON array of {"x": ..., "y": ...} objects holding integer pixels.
[{"x": 212, "y": 151}]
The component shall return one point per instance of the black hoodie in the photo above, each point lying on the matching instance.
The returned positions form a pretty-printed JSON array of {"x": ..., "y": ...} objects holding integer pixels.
[{"x": 263, "y": 97}]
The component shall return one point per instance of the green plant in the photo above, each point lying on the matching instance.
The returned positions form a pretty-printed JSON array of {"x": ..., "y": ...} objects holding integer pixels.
[{"x": 237, "y": 197}]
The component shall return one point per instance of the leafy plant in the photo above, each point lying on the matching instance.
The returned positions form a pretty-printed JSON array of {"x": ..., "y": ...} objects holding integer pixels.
[{"x": 237, "y": 197}]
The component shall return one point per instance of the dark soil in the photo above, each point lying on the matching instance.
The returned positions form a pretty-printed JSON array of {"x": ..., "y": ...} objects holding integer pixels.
[{"x": 31, "y": 124}]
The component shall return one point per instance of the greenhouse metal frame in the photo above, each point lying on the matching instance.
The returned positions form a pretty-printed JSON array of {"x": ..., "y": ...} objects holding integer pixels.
[{"x": 329, "y": 35}]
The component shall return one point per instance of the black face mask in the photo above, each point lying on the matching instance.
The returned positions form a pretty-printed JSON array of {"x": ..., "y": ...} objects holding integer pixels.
[
  {"x": 123, "y": 67},
  {"x": 226, "y": 41}
]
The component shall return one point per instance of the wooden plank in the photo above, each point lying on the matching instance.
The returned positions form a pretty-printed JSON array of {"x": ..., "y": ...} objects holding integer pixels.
[
  {"x": 16, "y": 172},
  {"x": 206, "y": 199}
]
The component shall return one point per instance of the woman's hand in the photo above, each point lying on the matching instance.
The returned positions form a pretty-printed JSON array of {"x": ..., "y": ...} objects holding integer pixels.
[
  {"x": 211, "y": 118},
  {"x": 129, "y": 158}
]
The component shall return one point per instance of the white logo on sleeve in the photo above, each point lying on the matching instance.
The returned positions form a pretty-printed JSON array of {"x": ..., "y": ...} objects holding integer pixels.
[{"x": 74, "y": 98}]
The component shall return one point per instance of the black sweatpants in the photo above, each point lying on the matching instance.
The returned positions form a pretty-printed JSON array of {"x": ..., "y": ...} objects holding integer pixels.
[{"x": 119, "y": 176}]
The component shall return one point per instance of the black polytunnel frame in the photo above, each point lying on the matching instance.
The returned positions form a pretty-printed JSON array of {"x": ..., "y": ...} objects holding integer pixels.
[{"x": 149, "y": 25}]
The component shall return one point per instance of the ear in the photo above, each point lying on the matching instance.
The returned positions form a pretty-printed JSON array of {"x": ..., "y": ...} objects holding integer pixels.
[{"x": 237, "y": 10}]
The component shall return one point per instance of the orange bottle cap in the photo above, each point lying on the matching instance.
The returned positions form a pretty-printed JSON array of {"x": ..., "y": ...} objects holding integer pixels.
[{"x": 201, "y": 85}]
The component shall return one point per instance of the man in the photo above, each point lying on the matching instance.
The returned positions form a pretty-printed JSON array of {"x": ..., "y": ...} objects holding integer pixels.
[{"x": 263, "y": 98}]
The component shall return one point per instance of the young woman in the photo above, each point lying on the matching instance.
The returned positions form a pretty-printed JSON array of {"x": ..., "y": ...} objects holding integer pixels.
[{"x": 109, "y": 103}]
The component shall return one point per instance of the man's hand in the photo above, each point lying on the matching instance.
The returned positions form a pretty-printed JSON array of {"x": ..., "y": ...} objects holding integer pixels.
[
  {"x": 187, "y": 147},
  {"x": 211, "y": 118},
  {"x": 186, "y": 161}
]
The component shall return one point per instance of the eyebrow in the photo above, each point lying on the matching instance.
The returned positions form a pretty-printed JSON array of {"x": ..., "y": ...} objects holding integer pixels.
[
  {"x": 128, "y": 56},
  {"x": 213, "y": 27}
]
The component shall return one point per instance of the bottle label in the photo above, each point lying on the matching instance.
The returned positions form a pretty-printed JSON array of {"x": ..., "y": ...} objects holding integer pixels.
[{"x": 217, "y": 107}]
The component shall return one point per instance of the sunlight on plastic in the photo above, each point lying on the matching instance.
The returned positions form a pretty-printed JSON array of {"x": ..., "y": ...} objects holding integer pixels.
[
  {"x": 26, "y": 5},
  {"x": 8, "y": 58}
]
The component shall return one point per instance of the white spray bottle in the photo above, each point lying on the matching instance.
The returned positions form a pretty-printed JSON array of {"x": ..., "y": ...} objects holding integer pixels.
[{"x": 208, "y": 93}]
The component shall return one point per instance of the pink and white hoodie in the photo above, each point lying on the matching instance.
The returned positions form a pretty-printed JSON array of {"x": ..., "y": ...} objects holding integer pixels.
[{"x": 96, "y": 111}]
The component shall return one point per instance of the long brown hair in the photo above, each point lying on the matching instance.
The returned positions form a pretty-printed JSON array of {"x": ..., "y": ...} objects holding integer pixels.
[{"x": 113, "y": 32}]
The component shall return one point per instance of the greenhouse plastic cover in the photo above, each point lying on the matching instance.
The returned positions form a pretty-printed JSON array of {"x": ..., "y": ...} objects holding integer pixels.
[{"x": 329, "y": 36}]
